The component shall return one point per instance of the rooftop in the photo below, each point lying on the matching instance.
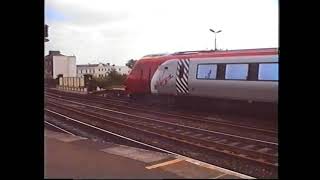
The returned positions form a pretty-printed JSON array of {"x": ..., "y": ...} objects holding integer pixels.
[{"x": 93, "y": 65}]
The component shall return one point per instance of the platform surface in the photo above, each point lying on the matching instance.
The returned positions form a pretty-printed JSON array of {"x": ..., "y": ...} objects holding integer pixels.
[{"x": 68, "y": 156}]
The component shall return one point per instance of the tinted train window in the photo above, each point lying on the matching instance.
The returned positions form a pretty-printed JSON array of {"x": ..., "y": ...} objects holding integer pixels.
[
  {"x": 237, "y": 71},
  {"x": 269, "y": 71},
  {"x": 207, "y": 71}
]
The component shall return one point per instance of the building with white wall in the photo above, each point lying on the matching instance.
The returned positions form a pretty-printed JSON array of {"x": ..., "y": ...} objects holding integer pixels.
[
  {"x": 97, "y": 70},
  {"x": 100, "y": 70},
  {"x": 56, "y": 63},
  {"x": 122, "y": 69}
]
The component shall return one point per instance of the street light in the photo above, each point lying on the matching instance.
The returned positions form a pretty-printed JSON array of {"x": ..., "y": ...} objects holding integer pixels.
[{"x": 215, "y": 38}]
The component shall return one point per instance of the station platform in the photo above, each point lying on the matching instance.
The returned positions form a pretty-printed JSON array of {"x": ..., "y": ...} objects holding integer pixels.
[{"x": 68, "y": 156}]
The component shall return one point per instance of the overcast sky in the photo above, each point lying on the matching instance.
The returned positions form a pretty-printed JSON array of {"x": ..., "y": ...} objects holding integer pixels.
[{"x": 118, "y": 30}]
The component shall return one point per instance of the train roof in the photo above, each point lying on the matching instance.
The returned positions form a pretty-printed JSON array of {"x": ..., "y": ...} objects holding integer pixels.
[
  {"x": 156, "y": 55},
  {"x": 212, "y": 53}
]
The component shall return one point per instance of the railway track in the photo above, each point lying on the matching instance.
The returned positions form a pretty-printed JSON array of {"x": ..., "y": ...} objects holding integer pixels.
[
  {"x": 140, "y": 144},
  {"x": 200, "y": 112},
  {"x": 125, "y": 103},
  {"x": 257, "y": 156},
  {"x": 197, "y": 122}
]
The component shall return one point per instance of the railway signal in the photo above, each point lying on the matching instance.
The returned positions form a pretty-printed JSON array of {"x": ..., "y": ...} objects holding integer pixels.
[{"x": 46, "y": 33}]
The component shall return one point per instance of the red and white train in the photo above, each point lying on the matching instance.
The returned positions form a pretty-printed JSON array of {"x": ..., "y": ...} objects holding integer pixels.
[{"x": 249, "y": 75}]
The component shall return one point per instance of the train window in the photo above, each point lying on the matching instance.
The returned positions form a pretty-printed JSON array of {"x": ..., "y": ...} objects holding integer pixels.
[
  {"x": 207, "y": 71},
  {"x": 237, "y": 71},
  {"x": 269, "y": 71}
]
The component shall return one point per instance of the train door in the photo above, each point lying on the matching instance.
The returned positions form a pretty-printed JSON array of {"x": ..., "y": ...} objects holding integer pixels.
[
  {"x": 149, "y": 80},
  {"x": 182, "y": 87}
]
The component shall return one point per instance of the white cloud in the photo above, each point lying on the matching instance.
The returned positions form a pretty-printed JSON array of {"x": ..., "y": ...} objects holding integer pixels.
[{"x": 118, "y": 30}]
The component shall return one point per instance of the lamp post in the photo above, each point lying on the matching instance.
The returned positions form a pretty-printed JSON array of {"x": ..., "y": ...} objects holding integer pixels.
[{"x": 215, "y": 38}]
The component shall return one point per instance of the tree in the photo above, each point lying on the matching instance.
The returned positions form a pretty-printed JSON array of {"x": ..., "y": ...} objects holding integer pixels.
[
  {"x": 131, "y": 63},
  {"x": 113, "y": 79}
]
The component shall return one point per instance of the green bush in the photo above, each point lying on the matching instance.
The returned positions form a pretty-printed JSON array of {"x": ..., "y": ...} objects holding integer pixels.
[{"x": 112, "y": 79}]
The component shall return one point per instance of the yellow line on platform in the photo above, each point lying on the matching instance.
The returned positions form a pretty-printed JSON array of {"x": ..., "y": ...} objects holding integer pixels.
[{"x": 164, "y": 163}]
